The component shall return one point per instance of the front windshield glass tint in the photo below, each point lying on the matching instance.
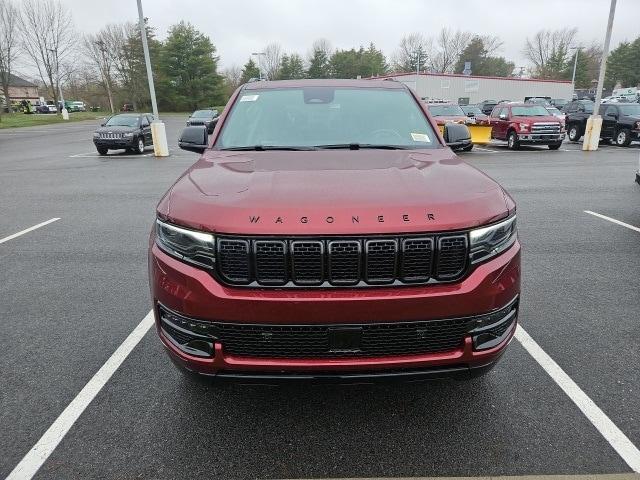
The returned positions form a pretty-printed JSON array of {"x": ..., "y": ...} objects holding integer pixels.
[
  {"x": 630, "y": 109},
  {"x": 446, "y": 110},
  {"x": 123, "y": 121},
  {"x": 317, "y": 116},
  {"x": 202, "y": 113},
  {"x": 588, "y": 107},
  {"x": 532, "y": 111}
]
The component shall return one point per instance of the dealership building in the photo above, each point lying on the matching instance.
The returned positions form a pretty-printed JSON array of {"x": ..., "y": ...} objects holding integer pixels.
[{"x": 474, "y": 89}]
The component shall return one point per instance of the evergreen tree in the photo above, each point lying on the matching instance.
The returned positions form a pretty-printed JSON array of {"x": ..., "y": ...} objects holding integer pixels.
[
  {"x": 481, "y": 63},
  {"x": 188, "y": 68},
  {"x": 318, "y": 65},
  {"x": 623, "y": 65},
  {"x": 249, "y": 70}
]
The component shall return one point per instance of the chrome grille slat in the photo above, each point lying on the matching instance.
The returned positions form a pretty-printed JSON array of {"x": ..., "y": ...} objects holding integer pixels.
[{"x": 341, "y": 262}]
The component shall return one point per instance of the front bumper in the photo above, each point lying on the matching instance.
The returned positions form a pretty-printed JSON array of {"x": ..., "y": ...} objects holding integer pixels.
[
  {"x": 540, "y": 138},
  {"x": 115, "y": 143},
  {"x": 196, "y": 294}
]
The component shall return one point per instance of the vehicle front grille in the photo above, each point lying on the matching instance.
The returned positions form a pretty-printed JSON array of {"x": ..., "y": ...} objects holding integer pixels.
[
  {"x": 546, "y": 127},
  {"x": 315, "y": 341},
  {"x": 335, "y": 262},
  {"x": 111, "y": 136}
]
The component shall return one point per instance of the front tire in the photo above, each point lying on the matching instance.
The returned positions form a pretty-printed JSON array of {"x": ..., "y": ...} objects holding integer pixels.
[
  {"x": 139, "y": 149},
  {"x": 623, "y": 138},
  {"x": 512, "y": 141},
  {"x": 468, "y": 148},
  {"x": 102, "y": 150},
  {"x": 574, "y": 133}
]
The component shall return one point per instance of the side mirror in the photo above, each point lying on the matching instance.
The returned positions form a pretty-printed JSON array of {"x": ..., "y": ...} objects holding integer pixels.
[
  {"x": 457, "y": 135},
  {"x": 194, "y": 139}
]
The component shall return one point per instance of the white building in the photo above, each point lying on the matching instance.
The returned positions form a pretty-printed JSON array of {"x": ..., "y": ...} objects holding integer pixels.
[{"x": 472, "y": 89}]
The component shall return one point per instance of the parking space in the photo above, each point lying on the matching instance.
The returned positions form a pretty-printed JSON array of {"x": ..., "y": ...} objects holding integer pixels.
[{"x": 74, "y": 289}]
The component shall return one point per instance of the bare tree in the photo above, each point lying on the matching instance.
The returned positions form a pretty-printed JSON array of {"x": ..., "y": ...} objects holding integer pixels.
[
  {"x": 449, "y": 46},
  {"x": 413, "y": 49},
  {"x": 271, "y": 63},
  {"x": 9, "y": 41},
  {"x": 549, "y": 50},
  {"x": 98, "y": 50},
  {"x": 233, "y": 76},
  {"x": 49, "y": 40}
]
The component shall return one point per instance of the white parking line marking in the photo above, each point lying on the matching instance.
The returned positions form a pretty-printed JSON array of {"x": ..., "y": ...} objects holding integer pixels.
[
  {"x": 618, "y": 440},
  {"x": 36, "y": 457},
  {"x": 27, "y": 230},
  {"x": 612, "y": 220}
]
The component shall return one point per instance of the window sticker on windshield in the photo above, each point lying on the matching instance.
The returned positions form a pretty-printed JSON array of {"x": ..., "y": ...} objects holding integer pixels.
[
  {"x": 249, "y": 98},
  {"x": 420, "y": 137}
]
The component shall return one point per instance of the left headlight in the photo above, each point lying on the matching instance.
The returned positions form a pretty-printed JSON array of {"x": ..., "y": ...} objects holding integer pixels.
[
  {"x": 96, "y": 135},
  {"x": 490, "y": 241},
  {"x": 191, "y": 246},
  {"x": 128, "y": 135}
]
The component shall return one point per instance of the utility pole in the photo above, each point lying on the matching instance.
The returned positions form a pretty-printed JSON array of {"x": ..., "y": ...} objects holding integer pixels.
[
  {"x": 158, "y": 132},
  {"x": 64, "y": 111},
  {"x": 594, "y": 122}
]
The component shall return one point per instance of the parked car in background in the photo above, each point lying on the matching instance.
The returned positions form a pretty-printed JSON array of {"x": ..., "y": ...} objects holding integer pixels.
[
  {"x": 620, "y": 123},
  {"x": 616, "y": 99},
  {"x": 544, "y": 101},
  {"x": 557, "y": 113},
  {"x": 447, "y": 113},
  {"x": 46, "y": 108},
  {"x": 487, "y": 106},
  {"x": 474, "y": 112},
  {"x": 204, "y": 117},
  {"x": 526, "y": 124},
  {"x": 131, "y": 131},
  {"x": 78, "y": 106},
  {"x": 559, "y": 103}
]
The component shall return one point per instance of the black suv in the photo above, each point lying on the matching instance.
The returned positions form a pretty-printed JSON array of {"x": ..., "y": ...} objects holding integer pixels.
[
  {"x": 131, "y": 131},
  {"x": 620, "y": 121}
]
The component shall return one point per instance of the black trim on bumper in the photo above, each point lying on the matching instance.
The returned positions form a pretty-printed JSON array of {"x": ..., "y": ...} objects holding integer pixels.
[{"x": 453, "y": 372}]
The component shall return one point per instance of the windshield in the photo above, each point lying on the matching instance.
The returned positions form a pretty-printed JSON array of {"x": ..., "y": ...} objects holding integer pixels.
[
  {"x": 123, "y": 121},
  {"x": 326, "y": 116},
  {"x": 532, "y": 111},
  {"x": 446, "y": 111},
  {"x": 202, "y": 113},
  {"x": 475, "y": 110},
  {"x": 630, "y": 109}
]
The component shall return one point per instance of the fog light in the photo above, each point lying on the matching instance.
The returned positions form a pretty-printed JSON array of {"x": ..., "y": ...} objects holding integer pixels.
[
  {"x": 191, "y": 336},
  {"x": 490, "y": 330}
]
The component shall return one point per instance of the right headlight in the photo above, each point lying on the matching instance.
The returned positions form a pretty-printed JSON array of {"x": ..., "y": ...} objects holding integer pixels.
[
  {"x": 489, "y": 241},
  {"x": 191, "y": 246}
]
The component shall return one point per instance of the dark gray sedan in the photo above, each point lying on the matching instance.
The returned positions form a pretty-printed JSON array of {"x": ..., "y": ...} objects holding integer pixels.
[{"x": 204, "y": 117}]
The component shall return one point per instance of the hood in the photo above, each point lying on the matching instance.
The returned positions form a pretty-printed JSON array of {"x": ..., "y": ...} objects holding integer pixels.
[
  {"x": 544, "y": 119},
  {"x": 115, "y": 129},
  {"x": 332, "y": 192},
  {"x": 442, "y": 119},
  {"x": 633, "y": 118}
]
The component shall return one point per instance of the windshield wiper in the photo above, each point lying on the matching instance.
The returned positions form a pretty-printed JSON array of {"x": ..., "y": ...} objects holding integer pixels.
[
  {"x": 261, "y": 148},
  {"x": 358, "y": 146}
]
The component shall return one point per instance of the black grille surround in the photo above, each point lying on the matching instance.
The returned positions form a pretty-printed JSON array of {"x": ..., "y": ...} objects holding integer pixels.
[{"x": 350, "y": 261}]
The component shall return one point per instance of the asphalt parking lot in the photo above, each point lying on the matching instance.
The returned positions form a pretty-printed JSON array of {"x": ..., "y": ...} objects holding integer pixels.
[{"x": 72, "y": 291}]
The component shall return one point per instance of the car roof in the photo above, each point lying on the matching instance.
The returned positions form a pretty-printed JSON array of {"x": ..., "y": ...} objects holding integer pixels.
[{"x": 336, "y": 83}]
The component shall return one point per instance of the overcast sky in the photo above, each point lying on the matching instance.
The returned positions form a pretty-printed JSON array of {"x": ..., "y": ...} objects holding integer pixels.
[{"x": 239, "y": 27}]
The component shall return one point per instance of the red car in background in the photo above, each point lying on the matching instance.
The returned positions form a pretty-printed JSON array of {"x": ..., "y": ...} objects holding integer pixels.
[
  {"x": 330, "y": 242},
  {"x": 526, "y": 124}
]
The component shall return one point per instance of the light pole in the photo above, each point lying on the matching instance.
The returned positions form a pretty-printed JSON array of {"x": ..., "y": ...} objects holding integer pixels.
[
  {"x": 259, "y": 55},
  {"x": 64, "y": 111},
  {"x": 594, "y": 122},
  {"x": 158, "y": 132},
  {"x": 575, "y": 66}
]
